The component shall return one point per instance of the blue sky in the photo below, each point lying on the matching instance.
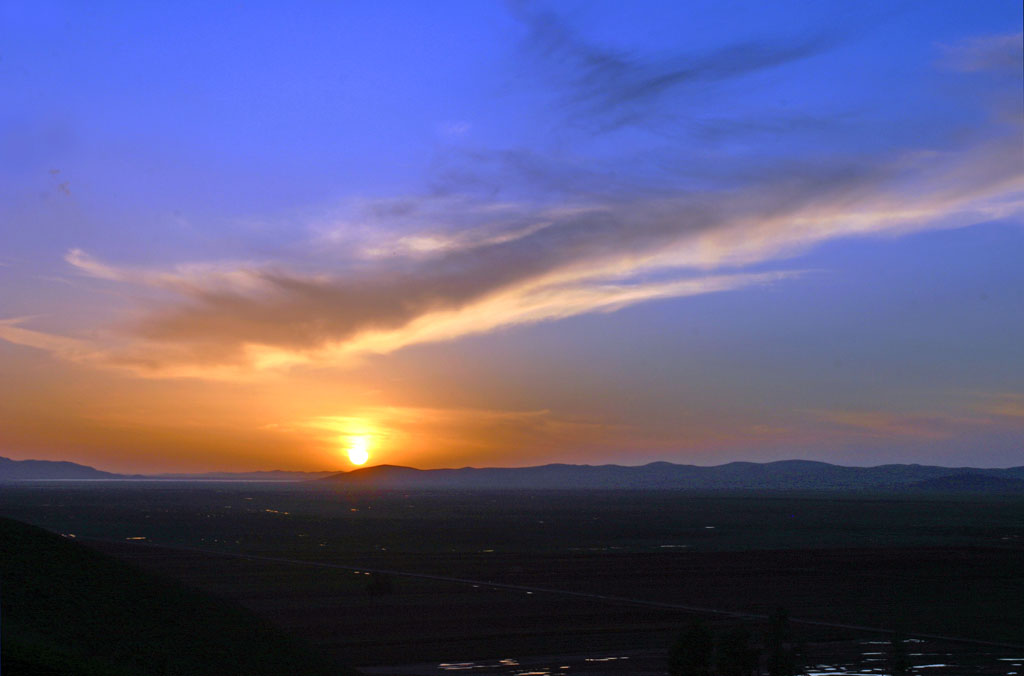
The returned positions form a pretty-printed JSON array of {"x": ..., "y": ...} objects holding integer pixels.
[{"x": 511, "y": 233}]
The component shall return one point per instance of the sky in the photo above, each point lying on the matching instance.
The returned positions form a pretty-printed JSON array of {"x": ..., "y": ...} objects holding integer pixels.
[{"x": 241, "y": 236}]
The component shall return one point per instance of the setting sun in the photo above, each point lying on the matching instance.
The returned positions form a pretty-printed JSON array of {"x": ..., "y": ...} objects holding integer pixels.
[{"x": 358, "y": 450}]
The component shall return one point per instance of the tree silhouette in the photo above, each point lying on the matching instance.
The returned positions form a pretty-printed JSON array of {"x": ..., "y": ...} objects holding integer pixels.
[
  {"x": 734, "y": 655},
  {"x": 691, "y": 654}
]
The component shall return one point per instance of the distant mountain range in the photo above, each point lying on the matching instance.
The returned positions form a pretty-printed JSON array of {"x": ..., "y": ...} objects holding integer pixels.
[
  {"x": 50, "y": 470},
  {"x": 265, "y": 475},
  {"x": 782, "y": 475},
  {"x": 36, "y": 470}
]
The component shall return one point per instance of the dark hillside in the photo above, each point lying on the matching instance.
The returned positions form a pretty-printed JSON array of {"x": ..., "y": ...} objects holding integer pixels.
[
  {"x": 48, "y": 470},
  {"x": 970, "y": 483},
  {"x": 784, "y": 475},
  {"x": 68, "y": 610}
]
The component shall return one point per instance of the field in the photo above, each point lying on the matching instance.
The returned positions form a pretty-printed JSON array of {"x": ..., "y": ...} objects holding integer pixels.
[{"x": 948, "y": 566}]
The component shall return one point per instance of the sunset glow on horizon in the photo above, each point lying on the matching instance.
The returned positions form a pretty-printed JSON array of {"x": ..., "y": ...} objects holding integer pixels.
[{"x": 510, "y": 234}]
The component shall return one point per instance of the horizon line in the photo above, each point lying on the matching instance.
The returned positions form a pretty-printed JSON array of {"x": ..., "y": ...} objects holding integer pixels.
[{"x": 173, "y": 474}]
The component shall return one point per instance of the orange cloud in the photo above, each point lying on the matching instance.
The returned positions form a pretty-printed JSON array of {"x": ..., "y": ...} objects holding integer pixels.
[
  {"x": 1007, "y": 405},
  {"x": 894, "y": 425},
  {"x": 423, "y": 269}
]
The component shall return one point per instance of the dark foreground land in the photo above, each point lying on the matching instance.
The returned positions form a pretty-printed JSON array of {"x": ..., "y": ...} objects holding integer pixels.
[
  {"x": 71, "y": 611},
  {"x": 948, "y": 566}
]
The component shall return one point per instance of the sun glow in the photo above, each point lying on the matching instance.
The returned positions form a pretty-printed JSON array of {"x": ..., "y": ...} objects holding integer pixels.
[{"x": 358, "y": 450}]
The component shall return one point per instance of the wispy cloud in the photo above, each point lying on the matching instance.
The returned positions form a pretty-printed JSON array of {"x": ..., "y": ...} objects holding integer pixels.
[
  {"x": 609, "y": 88},
  {"x": 888, "y": 425},
  {"x": 61, "y": 346},
  {"x": 514, "y": 237},
  {"x": 1003, "y": 53},
  {"x": 1005, "y": 405},
  {"x": 226, "y": 276},
  {"x": 962, "y": 412}
]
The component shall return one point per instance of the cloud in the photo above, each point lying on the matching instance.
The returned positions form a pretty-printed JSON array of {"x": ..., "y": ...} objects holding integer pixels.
[
  {"x": 232, "y": 342},
  {"x": 887, "y": 425},
  {"x": 1003, "y": 53},
  {"x": 226, "y": 276},
  {"x": 513, "y": 307},
  {"x": 610, "y": 88},
  {"x": 509, "y": 237},
  {"x": 541, "y": 265},
  {"x": 1008, "y": 406},
  {"x": 61, "y": 346},
  {"x": 974, "y": 411}
]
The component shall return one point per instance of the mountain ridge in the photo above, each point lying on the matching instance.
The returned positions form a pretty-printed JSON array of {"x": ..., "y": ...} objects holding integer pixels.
[
  {"x": 778, "y": 475},
  {"x": 63, "y": 470},
  {"x": 54, "y": 470},
  {"x": 660, "y": 475}
]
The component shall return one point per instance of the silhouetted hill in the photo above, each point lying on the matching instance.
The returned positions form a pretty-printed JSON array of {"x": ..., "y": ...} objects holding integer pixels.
[
  {"x": 970, "y": 483},
  {"x": 387, "y": 474},
  {"x": 51, "y": 470},
  {"x": 42, "y": 470},
  {"x": 265, "y": 475},
  {"x": 71, "y": 611},
  {"x": 782, "y": 475}
]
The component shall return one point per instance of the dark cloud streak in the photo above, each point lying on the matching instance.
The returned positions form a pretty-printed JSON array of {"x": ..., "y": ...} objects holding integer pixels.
[{"x": 608, "y": 88}]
